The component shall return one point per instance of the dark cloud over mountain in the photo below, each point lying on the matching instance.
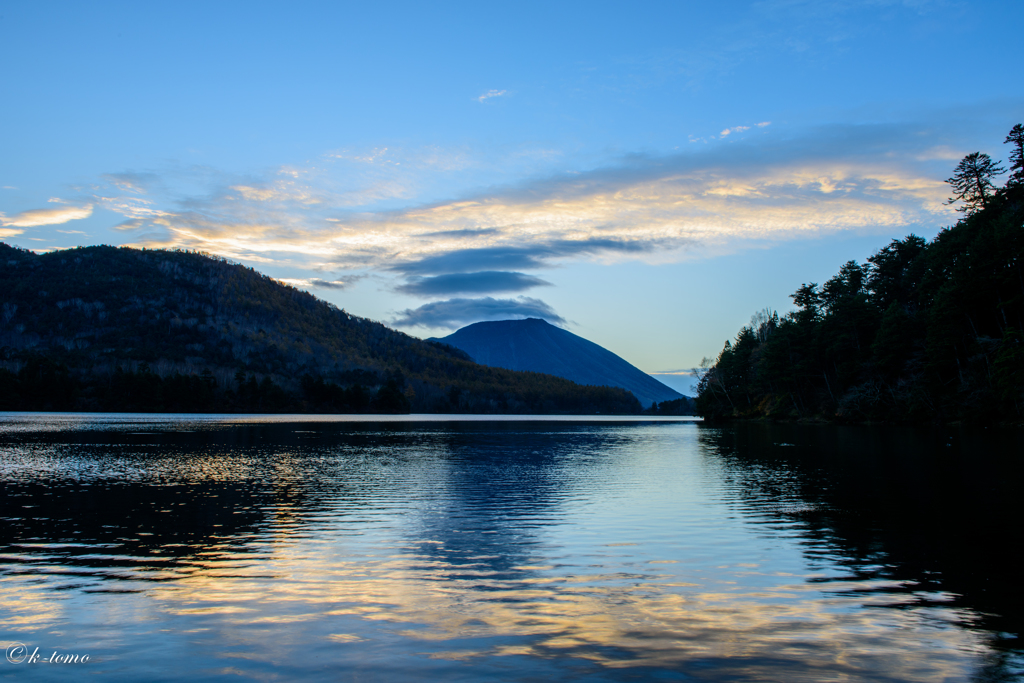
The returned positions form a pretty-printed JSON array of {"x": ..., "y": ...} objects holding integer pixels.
[
  {"x": 483, "y": 282},
  {"x": 523, "y": 258},
  {"x": 454, "y": 313}
]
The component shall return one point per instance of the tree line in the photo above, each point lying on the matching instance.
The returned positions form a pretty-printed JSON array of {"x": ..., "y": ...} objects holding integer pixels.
[{"x": 921, "y": 332}]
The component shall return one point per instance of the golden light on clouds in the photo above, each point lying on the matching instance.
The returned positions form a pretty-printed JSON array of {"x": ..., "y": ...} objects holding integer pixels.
[
  {"x": 660, "y": 216},
  {"x": 660, "y": 619},
  {"x": 38, "y": 217}
]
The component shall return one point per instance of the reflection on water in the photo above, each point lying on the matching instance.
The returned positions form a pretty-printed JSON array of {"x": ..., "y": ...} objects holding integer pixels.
[{"x": 300, "y": 548}]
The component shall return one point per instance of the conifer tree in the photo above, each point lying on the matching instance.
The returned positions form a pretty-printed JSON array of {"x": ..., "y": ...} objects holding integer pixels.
[
  {"x": 972, "y": 181},
  {"x": 1016, "y": 138}
]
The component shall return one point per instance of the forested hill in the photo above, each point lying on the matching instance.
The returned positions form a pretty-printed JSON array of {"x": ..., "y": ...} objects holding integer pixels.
[
  {"x": 105, "y": 328},
  {"x": 922, "y": 332}
]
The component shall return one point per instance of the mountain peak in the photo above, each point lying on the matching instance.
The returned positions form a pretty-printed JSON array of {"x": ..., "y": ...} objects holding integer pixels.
[{"x": 536, "y": 345}]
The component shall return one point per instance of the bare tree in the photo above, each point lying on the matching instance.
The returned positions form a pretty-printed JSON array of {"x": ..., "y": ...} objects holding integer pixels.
[
  {"x": 763, "y": 323},
  {"x": 709, "y": 379}
]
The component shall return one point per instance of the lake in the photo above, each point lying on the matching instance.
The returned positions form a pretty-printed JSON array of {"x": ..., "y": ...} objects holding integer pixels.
[{"x": 372, "y": 548}]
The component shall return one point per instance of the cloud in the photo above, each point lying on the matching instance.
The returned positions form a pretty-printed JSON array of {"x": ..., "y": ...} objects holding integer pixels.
[
  {"x": 317, "y": 282},
  {"x": 132, "y": 207},
  {"x": 455, "y": 313},
  {"x": 10, "y": 232},
  {"x": 491, "y": 93},
  {"x": 524, "y": 258},
  {"x": 469, "y": 260},
  {"x": 483, "y": 282},
  {"x": 940, "y": 152},
  {"x": 740, "y": 129},
  {"x": 131, "y": 181},
  {"x": 373, "y": 156},
  {"x": 37, "y": 217},
  {"x": 279, "y": 191},
  {"x": 655, "y": 208},
  {"x": 129, "y": 225},
  {"x": 734, "y": 129},
  {"x": 465, "y": 232}
]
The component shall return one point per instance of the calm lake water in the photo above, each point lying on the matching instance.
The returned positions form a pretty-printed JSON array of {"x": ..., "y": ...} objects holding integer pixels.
[{"x": 404, "y": 549}]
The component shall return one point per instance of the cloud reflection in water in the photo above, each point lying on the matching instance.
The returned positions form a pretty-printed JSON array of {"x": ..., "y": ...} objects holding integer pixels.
[{"x": 500, "y": 547}]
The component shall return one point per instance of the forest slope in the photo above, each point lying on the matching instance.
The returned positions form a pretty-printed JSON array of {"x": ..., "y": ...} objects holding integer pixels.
[{"x": 105, "y": 328}]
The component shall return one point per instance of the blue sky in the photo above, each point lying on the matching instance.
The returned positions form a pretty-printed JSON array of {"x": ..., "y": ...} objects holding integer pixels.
[{"x": 647, "y": 175}]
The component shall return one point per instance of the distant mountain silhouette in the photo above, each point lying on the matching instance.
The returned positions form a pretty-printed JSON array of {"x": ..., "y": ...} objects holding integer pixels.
[{"x": 537, "y": 346}]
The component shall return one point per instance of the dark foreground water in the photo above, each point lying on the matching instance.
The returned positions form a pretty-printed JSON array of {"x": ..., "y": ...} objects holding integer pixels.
[{"x": 284, "y": 548}]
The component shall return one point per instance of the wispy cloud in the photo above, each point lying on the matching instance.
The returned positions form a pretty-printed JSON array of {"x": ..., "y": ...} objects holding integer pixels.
[
  {"x": 133, "y": 181},
  {"x": 483, "y": 282},
  {"x": 279, "y": 191},
  {"x": 132, "y": 207},
  {"x": 649, "y": 207},
  {"x": 740, "y": 129},
  {"x": 465, "y": 232},
  {"x": 38, "y": 217},
  {"x": 528, "y": 257},
  {"x": 491, "y": 93},
  {"x": 129, "y": 225},
  {"x": 734, "y": 129},
  {"x": 454, "y": 313},
  {"x": 377, "y": 155},
  {"x": 10, "y": 232},
  {"x": 316, "y": 282}
]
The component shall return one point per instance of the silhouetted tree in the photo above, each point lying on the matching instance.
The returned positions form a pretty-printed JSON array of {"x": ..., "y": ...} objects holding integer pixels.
[
  {"x": 895, "y": 271},
  {"x": 1016, "y": 138},
  {"x": 972, "y": 181},
  {"x": 923, "y": 332},
  {"x": 808, "y": 299}
]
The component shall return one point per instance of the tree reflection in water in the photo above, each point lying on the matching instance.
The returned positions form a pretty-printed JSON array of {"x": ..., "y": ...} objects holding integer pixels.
[
  {"x": 926, "y": 517},
  {"x": 402, "y": 550}
]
